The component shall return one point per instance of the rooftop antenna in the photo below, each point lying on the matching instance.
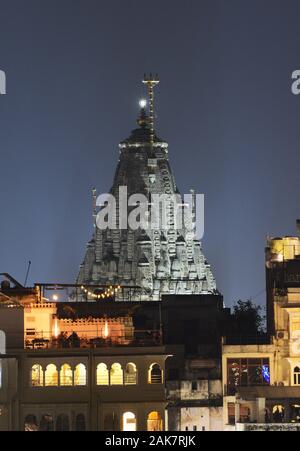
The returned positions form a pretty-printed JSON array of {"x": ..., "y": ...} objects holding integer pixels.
[
  {"x": 151, "y": 81},
  {"x": 27, "y": 273}
]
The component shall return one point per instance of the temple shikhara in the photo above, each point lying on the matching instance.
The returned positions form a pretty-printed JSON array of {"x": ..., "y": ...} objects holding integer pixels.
[{"x": 160, "y": 261}]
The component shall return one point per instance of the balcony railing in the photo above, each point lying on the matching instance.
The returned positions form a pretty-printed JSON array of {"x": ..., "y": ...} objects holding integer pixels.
[{"x": 140, "y": 338}]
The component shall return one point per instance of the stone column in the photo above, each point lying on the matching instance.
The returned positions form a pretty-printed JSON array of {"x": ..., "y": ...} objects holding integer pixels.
[
  {"x": 260, "y": 406},
  {"x": 237, "y": 412}
]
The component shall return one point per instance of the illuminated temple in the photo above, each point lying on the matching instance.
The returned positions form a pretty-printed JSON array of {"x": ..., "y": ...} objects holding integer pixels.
[{"x": 161, "y": 261}]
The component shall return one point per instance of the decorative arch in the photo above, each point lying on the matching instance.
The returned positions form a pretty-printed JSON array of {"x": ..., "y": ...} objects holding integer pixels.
[
  {"x": 154, "y": 422},
  {"x": 62, "y": 423},
  {"x": 51, "y": 376},
  {"x": 129, "y": 422},
  {"x": 130, "y": 374},
  {"x": 31, "y": 423},
  {"x": 47, "y": 423},
  {"x": 102, "y": 374},
  {"x": 116, "y": 374},
  {"x": 66, "y": 375},
  {"x": 80, "y": 375},
  {"x": 155, "y": 374},
  {"x": 80, "y": 424},
  {"x": 296, "y": 375},
  {"x": 278, "y": 413},
  {"x": 36, "y": 376}
]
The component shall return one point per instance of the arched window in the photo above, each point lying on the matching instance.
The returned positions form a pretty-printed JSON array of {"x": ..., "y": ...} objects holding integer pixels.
[
  {"x": 36, "y": 376},
  {"x": 116, "y": 374},
  {"x": 129, "y": 422},
  {"x": 51, "y": 375},
  {"x": 296, "y": 375},
  {"x": 155, "y": 375},
  {"x": 102, "y": 374},
  {"x": 80, "y": 374},
  {"x": 66, "y": 375},
  {"x": 80, "y": 423},
  {"x": 154, "y": 422},
  {"x": 46, "y": 423},
  {"x": 278, "y": 413},
  {"x": 31, "y": 424},
  {"x": 130, "y": 374},
  {"x": 62, "y": 423}
]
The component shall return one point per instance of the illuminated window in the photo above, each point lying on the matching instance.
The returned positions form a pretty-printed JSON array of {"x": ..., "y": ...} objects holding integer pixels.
[
  {"x": 154, "y": 422},
  {"x": 116, "y": 374},
  {"x": 80, "y": 374},
  {"x": 51, "y": 376},
  {"x": 66, "y": 375},
  {"x": 36, "y": 377},
  {"x": 62, "y": 423},
  {"x": 155, "y": 375},
  {"x": 129, "y": 422},
  {"x": 102, "y": 374},
  {"x": 296, "y": 375},
  {"x": 130, "y": 374},
  {"x": 247, "y": 372},
  {"x": 30, "y": 423}
]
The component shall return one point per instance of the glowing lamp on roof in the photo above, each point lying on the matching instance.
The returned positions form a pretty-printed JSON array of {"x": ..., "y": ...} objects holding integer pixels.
[
  {"x": 56, "y": 328},
  {"x": 106, "y": 330},
  {"x": 143, "y": 103}
]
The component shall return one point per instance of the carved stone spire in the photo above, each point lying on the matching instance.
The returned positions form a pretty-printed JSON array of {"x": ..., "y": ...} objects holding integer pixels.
[{"x": 160, "y": 261}]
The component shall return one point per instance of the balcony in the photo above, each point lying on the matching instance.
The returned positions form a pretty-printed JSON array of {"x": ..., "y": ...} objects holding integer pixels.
[{"x": 138, "y": 338}]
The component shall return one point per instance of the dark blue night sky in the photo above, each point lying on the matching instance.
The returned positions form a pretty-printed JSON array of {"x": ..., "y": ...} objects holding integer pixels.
[{"x": 74, "y": 71}]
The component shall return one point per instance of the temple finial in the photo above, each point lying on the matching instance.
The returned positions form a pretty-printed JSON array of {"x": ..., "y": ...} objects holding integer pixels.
[
  {"x": 142, "y": 119},
  {"x": 151, "y": 81}
]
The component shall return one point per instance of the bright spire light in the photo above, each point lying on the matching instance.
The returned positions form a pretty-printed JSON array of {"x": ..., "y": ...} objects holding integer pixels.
[{"x": 143, "y": 103}]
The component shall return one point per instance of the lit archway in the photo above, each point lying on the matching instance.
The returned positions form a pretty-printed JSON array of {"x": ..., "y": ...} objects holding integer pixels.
[
  {"x": 51, "y": 375},
  {"x": 116, "y": 374},
  {"x": 66, "y": 375},
  {"x": 130, "y": 374},
  {"x": 129, "y": 422},
  {"x": 80, "y": 374},
  {"x": 102, "y": 374},
  {"x": 154, "y": 422},
  {"x": 36, "y": 376}
]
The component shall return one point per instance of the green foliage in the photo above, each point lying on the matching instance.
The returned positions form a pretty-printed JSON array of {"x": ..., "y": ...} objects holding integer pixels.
[{"x": 247, "y": 318}]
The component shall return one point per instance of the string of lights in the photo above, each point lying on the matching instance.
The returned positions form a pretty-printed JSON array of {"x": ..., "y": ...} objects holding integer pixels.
[{"x": 109, "y": 292}]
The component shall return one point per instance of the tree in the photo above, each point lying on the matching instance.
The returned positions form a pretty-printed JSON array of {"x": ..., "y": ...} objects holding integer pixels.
[{"x": 247, "y": 318}]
